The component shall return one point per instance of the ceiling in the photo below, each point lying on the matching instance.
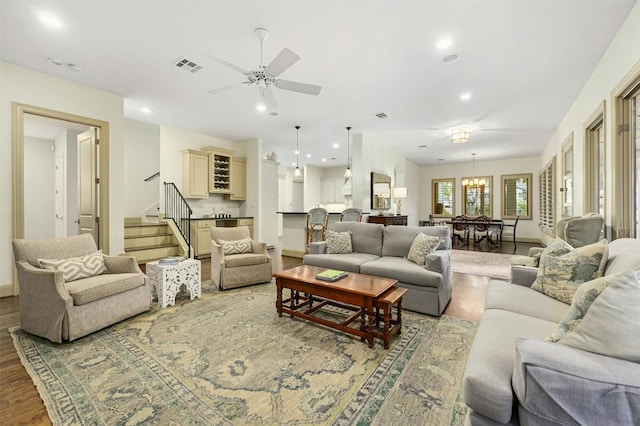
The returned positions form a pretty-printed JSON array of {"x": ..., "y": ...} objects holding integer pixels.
[{"x": 523, "y": 62}]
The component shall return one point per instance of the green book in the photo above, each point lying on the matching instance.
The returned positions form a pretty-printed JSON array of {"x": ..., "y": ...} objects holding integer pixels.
[{"x": 331, "y": 275}]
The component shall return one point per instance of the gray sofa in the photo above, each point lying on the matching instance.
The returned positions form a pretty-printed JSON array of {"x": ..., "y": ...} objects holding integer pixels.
[
  {"x": 382, "y": 251},
  {"x": 60, "y": 310},
  {"x": 513, "y": 376}
]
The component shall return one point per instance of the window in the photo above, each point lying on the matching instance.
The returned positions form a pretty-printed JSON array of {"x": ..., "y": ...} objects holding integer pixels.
[
  {"x": 546, "y": 203},
  {"x": 516, "y": 196},
  {"x": 443, "y": 196},
  {"x": 594, "y": 191},
  {"x": 476, "y": 196},
  {"x": 567, "y": 177}
]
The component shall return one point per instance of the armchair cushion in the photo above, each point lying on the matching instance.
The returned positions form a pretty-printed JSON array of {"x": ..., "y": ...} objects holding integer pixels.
[
  {"x": 236, "y": 246},
  {"x": 339, "y": 242},
  {"x": 76, "y": 268},
  {"x": 245, "y": 259},
  {"x": 563, "y": 269}
]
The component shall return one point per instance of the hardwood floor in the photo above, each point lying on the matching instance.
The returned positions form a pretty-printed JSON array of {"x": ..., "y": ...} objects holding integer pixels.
[{"x": 20, "y": 403}]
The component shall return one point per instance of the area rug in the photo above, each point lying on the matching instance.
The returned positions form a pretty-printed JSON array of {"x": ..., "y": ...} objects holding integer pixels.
[
  {"x": 229, "y": 359},
  {"x": 494, "y": 265}
]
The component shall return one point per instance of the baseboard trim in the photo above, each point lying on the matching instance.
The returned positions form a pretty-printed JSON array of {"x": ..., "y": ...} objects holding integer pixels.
[
  {"x": 293, "y": 253},
  {"x": 6, "y": 290}
]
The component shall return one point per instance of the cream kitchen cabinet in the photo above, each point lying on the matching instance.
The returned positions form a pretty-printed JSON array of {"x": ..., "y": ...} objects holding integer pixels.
[
  {"x": 219, "y": 169},
  {"x": 331, "y": 190},
  {"x": 200, "y": 238},
  {"x": 195, "y": 174},
  {"x": 238, "y": 179}
]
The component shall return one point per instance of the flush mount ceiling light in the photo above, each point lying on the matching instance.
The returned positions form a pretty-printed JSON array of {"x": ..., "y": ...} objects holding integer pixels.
[
  {"x": 50, "y": 20},
  {"x": 347, "y": 173},
  {"x": 297, "y": 172},
  {"x": 460, "y": 136}
]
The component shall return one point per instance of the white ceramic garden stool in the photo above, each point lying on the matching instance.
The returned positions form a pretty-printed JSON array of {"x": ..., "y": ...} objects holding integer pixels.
[{"x": 168, "y": 279}]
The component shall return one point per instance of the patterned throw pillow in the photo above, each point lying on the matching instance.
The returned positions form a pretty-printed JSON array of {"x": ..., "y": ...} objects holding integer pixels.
[
  {"x": 339, "y": 242},
  {"x": 237, "y": 246},
  {"x": 559, "y": 275},
  {"x": 422, "y": 246},
  {"x": 76, "y": 268},
  {"x": 610, "y": 326},
  {"x": 582, "y": 300}
]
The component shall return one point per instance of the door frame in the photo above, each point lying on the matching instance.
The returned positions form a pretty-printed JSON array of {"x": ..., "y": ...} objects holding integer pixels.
[{"x": 18, "y": 111}]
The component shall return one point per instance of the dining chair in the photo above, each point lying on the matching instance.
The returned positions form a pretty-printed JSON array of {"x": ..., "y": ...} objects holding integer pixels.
[
  {"x": 351, "y": 215},
  {"x": 482, "y": 230},
  {"x": 317, "y": 220},
  {"x": 460, "y": 229},
  {"x": 509, "y": 230}
]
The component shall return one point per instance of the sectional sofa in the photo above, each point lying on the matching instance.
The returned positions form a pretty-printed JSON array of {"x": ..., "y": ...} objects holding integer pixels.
[
  {"x": 514, "y": 376},
  {"x": 382, "y": 251}
]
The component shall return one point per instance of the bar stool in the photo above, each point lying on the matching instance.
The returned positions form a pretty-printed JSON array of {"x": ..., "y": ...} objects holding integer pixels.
[
  {"x": 317, "y": 220},
  {"x": 351, "y": 215}
]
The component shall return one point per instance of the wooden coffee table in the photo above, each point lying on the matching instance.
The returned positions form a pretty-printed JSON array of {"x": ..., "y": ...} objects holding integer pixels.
[{"x": 364, "y": 295}]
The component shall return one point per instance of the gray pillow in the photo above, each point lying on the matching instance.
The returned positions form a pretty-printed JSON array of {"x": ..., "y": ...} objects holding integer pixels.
[
  {"x": 423, "y": 245},
  {"x": 338, "y": 242}
]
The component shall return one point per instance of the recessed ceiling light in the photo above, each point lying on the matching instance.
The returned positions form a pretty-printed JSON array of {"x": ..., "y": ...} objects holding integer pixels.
[
  {"x": 336, "y": 145},
  {"x": 308, "y": 155},
  {"x": 50, "y": 20},
  {"x": 422, "y": 146},
  {"x": 440, "y": 159},
  {"x": 54, "y": 61},
  {"x": 444, "y": 43},
  {"x": 296, "y": 152},
  {"x": 74, "y": 67},
  {"x": 261, "y": 107},
  {"x": 465, "y": 96},
  {"x": 324, "y": 160},
  {"x": 273, "y": 114},
  {"x": 146, "y": 110},
  {"x": 450, "y": 58}
]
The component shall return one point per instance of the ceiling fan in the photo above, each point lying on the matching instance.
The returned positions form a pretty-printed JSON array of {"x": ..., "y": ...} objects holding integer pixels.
[{"x": 266, "y": 77}]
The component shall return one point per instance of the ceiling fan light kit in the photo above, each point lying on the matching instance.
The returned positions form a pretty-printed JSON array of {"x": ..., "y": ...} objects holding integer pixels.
[
  {"x": 460, "y": 136},
  {"x": 266, "y": 77}
]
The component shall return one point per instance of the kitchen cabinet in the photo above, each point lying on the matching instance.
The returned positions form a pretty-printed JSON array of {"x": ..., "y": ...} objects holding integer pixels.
[
  {"x": 219, "y": 169},
  {"x": 195, "y": 174},
  {"x": 332, "y": 190},
  {"x": 238, "y": 179}
]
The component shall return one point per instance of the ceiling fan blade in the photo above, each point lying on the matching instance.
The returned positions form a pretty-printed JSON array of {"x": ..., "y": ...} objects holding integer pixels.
[
  {"x": 280, "y": 63},
  {"x": 268, "y": 99},
  {"x": 294, "y": 86},
  {"x": 226, "y": 64},
  {"x": 225, "y": 88}
]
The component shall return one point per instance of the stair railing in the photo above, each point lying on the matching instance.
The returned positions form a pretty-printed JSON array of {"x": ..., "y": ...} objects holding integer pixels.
[{"x": 177, "y": 209}]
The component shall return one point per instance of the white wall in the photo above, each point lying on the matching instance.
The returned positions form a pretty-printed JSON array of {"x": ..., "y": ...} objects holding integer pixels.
[
  {"x": 39, "y": 188},
  {"x": 621, "y": 57},
  {"x": 141, "y": 160},
  {"x": 22, "y": 85},
  {"x": 527, "y": 229}
]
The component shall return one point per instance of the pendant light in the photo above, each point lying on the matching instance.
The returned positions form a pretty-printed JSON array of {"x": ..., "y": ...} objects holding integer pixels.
[
  {"x": 297, "y": 172},
  {"x": 347, "y": 173},
  {"x": 473, "y": 182}
]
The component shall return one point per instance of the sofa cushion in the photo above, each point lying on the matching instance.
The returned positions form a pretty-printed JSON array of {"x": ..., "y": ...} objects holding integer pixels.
[
  {"x": 89, "y": 289},
  {"x": 511, "y": 297},
  {"x": 582, "y": 300},
  {"x": 610, "y": 326},
  {"x": 344, "y": 262},
  {"x": 402, "y": 270},
  {"x": 487, "y": 379},
  {"x": 76, "y": 268},
  {"x": 624, "y": 254},
  {"x": 245, "y": 259},
  {"x": 560, "y": 275},
  {"x": 236, "y": 246},
  {"x": 338, "y": 242},
  {"x": 398, "y": 239},
  {"x": 365, "y": 237},
  {"x": 422, "y": 246}
]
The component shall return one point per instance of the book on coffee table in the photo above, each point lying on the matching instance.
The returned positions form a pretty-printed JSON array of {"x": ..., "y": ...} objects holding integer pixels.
[{"x": 331, "y": 275}]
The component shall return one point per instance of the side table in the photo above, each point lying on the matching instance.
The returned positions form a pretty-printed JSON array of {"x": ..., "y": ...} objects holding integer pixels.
[{"x": 167, "y": 279}]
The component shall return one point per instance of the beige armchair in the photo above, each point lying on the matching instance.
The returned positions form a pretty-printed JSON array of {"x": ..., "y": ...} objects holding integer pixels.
[
  {"x": 236, "y": 259},
  {"x": 68, "y": 289}
]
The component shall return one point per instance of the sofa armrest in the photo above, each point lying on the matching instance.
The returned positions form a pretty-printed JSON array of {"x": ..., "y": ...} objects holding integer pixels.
[
  {"x": 438, "y": 261},
  {"x": 564, "y": 385},
  {"x": 44, "y": 301},
  {"x": 121, "y": 264},
  {"x": 318, "y": 247},
  {"x": 523, "y": 275}
]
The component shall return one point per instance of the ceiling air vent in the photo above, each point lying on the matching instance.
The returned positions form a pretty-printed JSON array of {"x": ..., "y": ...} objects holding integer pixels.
[
  {"x": 188, "y": 65},
  {"x": 382, "y": 115}
]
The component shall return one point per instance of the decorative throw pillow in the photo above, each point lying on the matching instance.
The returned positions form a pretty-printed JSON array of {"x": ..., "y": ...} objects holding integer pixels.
[
  {"x": 338, "y": 242},
  {"x": 582, "y": 300},
  {"x": 422, "y": 246},
  {"x": 237, "y": 246},
  {"x": 76, "y": 268},
  {"x": 560, "y": 274},
  {"x": 610, "y": 326}
]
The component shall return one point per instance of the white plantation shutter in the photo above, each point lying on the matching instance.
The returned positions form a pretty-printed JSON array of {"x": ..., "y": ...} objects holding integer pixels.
[{"x": 443, "y": 196}]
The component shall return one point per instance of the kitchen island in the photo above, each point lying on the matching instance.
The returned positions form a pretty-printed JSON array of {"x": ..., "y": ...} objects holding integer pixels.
[{"x": 294, "y": 232}]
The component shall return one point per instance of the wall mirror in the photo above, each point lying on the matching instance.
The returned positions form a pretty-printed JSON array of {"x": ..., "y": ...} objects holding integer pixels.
[{"x": 380, "y": 191}]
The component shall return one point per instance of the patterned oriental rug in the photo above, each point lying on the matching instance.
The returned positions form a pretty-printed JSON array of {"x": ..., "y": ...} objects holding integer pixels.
[
  {"x": 229, "y": 359},
  {"x": 494, "y": 265}
]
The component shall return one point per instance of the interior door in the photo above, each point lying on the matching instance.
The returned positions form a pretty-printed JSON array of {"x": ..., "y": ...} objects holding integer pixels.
[
  {"x": 88, "y": 184},
  {"x": 60, "y": 196}
]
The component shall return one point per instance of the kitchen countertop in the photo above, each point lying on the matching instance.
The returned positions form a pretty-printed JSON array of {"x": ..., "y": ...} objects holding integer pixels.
[
  {"x": 306, "y": 213},
  {"x": 221, "y": 218}
]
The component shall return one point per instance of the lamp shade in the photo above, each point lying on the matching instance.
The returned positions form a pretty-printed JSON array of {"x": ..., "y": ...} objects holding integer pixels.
[
  {"x": 459, "y": 136},
  {"x": 400, "y": 192}
]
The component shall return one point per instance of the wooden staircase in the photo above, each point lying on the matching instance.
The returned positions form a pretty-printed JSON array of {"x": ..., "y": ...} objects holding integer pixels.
[{"x": 149, "y": 241}]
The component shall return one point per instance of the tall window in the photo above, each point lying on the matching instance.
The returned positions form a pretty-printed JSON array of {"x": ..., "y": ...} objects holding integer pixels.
[
  {"x": 567, "y": 177},
  {"x": 594, "y": 191},
  {"x": 516, "y": 196},
  {"x": 546, "y": 184},
  {"x": 443, "y": 196},
  {"x": 477, "y": 196}
]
